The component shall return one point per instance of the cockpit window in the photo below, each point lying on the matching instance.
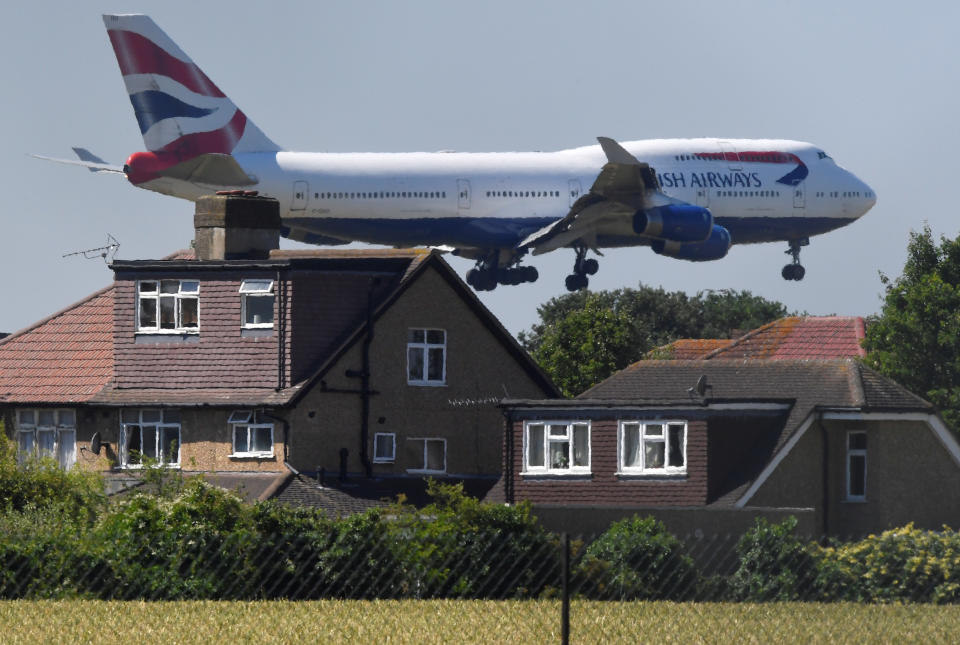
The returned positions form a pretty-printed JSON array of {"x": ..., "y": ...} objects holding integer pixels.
[{"x": 823, "y": 155}]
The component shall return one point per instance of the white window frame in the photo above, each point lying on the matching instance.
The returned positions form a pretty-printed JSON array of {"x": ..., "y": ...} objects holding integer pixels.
[
  {"x": 548, "y": 468},
  {"x": 392, "y": 438},
  {"x": 851, "y": 453},
  {"x": 252, "y": 421},
  {"x": 643, "y": 438},
  {"x": 256, "y": 288},
  {"x": 423, "y": 348},
  {"x": 179, "y": 297},
  {"x": 424, "y": 461},
  {"x": 64, "y": 427},
  {"x": 160, "y": 426}
]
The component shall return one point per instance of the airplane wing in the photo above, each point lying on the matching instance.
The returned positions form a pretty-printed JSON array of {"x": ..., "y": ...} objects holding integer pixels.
[
  {"x": 93, "y": 166},
  {"x": 623, "y": 186}
]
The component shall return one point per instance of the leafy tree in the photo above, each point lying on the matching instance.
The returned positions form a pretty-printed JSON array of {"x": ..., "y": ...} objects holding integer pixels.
[
  {"x": 916, "y": 338},
  {"x": 583, "y": 337}
]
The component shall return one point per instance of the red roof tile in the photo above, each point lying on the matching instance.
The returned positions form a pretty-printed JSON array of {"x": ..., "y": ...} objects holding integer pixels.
[
  {"x": 688, "y": 348},
  {"x": 810, "y": 337},
  {"x": 66, "y": 358}
]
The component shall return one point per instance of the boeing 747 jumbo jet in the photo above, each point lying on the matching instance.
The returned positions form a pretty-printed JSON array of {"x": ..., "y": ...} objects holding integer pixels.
[{"x": 685, "y": 198}]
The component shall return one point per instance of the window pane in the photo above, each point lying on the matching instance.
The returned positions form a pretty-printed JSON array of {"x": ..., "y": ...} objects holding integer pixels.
[
  {"x": 239, "y": 416},
  {"x": 653, "y": 454},
  {"x": 188, "y": 312},
  {"x": 383, "y": 447},
  {"x": 435, "y": 369},
  {"x": 148, "y": 286},
  {"x": 559, "y": 454},
  {"x": 27, "y": 417},
  {"x": 167, "y": 318},
  {"x": 26, "y": 443},
  {"x": 254, "y": 286},
  {"x": 67, "y": 449},
  {"x": 858, "y": 440},
  {"x": 240, "y": 434},
  {"x": 558, "y": 430},
  {"x": 631, "y": 446},
  {"x": 416, "y": 336},
  {"x": 676, "y": 444},
  {"x": 189, "y": 286},
  {"x": 435, "y": 455},
  {"x": 535, "y": 446},
  {"x": 858, "y": 475},
  {"x": 46, "y": 418},
  {"x": 170, "y": 442},
  {"x": 653, "y": 429},
  {"x": 415, "y": 363},
  {"x": 149, "y": 447},
  {"x": 262, "y": 440},
  {"x": 148, "y": 313},
  {"x": 46, "y": 442},
  {"x": 67, "y": 418},
  {"x": 581, "y": 445},
  {"x": 436, "y": 336},
  {"x": 169, "y": 286},
  {"x": 259, "y": 310},
  {"x": 133, "y": 443}
]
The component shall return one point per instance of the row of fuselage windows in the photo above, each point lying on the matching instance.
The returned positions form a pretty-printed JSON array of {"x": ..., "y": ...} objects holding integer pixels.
[
  {"x": 385, "y": 194},
  {"x": 748, "y": 193},
  {"x": 746, "y": 157},
  {"x": 525, "y": 193},
  {"x": 844, "y": 195}
]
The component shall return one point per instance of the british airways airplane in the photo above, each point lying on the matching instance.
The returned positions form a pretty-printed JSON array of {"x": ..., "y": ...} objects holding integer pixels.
[{"x": 689, "y": 199}]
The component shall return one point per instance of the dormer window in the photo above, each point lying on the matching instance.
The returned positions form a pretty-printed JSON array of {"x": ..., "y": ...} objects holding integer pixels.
[
  {"x": 257, "y": 298},
  {"x": 168, "y": 305}
]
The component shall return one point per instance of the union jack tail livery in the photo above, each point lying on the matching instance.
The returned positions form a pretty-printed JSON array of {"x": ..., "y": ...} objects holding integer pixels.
[{"x": 182, "y": 114}]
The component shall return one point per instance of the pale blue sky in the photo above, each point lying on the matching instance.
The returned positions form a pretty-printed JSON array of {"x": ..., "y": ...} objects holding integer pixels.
[{"x": 872, "y": 83}]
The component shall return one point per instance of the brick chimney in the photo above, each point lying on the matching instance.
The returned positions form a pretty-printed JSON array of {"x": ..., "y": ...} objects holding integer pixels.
[{"x": 236, "y": 227}]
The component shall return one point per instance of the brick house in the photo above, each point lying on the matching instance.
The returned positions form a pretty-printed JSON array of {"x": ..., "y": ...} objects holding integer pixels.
[
  {"x": 708, "y": 445},
  {"x": 263, "y": 367}
]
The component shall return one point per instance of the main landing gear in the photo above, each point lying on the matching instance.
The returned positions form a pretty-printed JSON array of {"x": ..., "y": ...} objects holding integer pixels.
[
  {"x": 795, "y": 270},
  {"x": 487, "y": 275},
  {"x": 582, "y": 267}
]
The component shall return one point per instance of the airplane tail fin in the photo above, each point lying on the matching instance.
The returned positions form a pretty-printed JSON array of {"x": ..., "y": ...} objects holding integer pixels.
[{"x": 181, "y": 112}]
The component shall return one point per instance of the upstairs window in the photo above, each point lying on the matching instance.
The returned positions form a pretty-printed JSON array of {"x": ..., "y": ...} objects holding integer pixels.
[
  {"x": 653, "y": 448},
  {"x": 427, "y": 357},
  {"x": 258, "y": 299},
  {"x": 47, "y": 433},
  {"x": 557, "y": 447},
  {"x": 857, "y": 466},
  {"x": 168, "y": 305},
  {"x": 149, "y": 436},
  {"x": 252, "y": 434}
]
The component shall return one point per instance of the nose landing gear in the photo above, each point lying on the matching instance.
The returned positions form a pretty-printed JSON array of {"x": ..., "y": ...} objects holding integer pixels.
[
  {"x": 582, "y": 267},
  {"x": 795, "y": 270}
]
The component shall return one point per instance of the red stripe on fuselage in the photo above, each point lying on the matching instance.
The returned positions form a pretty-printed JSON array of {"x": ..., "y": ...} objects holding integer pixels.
[
  {"x": 139, "y": 55},
  {"x": 750, "y": 156}
]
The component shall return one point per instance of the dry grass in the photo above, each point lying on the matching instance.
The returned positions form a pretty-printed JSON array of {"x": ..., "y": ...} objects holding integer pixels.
[{"x": 452, "y": 621}]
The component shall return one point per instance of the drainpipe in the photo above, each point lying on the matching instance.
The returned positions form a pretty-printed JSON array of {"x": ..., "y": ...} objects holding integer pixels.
[
  {"x": 508, "y": 458},
  {"x": 281, "y": 331},
  {"x": 365, "y": 391},
  {"x": 286, "y": 433},
  {"x": 825, "y": 502}
]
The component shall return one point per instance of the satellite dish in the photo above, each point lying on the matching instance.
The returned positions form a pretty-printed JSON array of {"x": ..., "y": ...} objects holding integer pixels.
[{"x": 95, "y": 443}]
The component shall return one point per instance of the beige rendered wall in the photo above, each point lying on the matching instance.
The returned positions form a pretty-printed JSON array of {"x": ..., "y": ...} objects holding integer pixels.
[{"x": 478, "y": 367}]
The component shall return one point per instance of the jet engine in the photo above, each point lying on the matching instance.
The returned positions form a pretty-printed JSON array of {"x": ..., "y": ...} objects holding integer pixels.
[
  {"x": 675, "y": 222},
  {"x": 713, "y": 248}
]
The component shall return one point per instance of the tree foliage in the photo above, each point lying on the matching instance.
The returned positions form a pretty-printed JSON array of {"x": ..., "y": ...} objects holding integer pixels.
[
  {"x": 584, "y": 337},
  {"x": 916, "y": 338}
]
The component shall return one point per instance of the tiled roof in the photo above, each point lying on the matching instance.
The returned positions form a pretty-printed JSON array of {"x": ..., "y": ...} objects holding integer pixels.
[
  {"x": 688, "y": 348},
  {"x": 809, "y": 337},
  {"x": 66, "y": 358}
]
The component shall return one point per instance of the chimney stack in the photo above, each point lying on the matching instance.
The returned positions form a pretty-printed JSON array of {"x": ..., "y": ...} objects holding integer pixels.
[{"x": 236, "y": 227}]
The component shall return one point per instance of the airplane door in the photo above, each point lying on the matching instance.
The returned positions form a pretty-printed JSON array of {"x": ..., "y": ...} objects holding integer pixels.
[
  {"x": 730, "y": 154},
  {"x": 799, "y": 196},
  {"x": 703, "y": 197},
  {"x": 301, "y": 191},
  {"x": 463, "y": 193},
  {"x": 574, "y": 185}
]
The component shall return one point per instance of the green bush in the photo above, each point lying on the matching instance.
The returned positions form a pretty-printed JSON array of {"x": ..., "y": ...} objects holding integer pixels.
[
  {"x": 903, "y": 564},
  {"x": 637, "y": 559},
  {"x": 774, "y": 563}
]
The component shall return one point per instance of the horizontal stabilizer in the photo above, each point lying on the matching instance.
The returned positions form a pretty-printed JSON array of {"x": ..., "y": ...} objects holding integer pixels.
[
  {"x": 211, "y": 170},
  {"x": 93, "y": 166}
]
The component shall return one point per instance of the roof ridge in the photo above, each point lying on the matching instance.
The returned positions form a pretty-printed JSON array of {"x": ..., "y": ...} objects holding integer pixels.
[{"x": 750, "y": 334}]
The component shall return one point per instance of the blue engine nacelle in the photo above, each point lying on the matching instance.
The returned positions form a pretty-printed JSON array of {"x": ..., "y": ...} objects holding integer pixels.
[
  {"x": 713, "y": 248},
  {"x": 677, "y": 222}
]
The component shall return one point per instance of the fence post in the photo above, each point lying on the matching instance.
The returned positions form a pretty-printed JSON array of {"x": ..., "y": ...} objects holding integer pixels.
[{"x": 565, "y": 584}]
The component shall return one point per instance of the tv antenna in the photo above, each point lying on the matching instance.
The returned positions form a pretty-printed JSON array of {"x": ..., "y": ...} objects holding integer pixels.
[{"x": 106, "y": 252}]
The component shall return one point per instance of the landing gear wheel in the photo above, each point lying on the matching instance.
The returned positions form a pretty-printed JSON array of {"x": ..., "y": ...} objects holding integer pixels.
[
  {"x": 795, "y": 270},
  {"x": 577, "y": 281},
  {"x": 590, "y": 267}
]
